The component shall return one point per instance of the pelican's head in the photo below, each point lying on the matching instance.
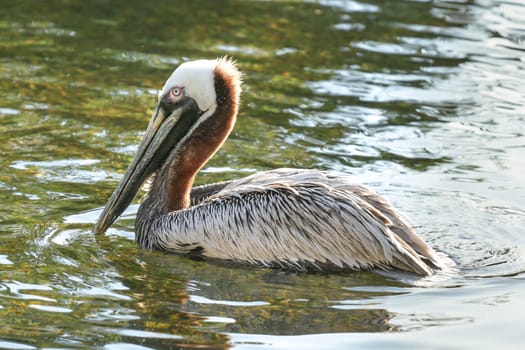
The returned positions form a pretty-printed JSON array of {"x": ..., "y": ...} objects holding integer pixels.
[
  {"x": 199, "y": 81},
  {"x": 196, "y": 107}
]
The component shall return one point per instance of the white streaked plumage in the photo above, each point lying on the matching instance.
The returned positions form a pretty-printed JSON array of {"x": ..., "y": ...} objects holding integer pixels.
[{"x": 292, "y": 218}]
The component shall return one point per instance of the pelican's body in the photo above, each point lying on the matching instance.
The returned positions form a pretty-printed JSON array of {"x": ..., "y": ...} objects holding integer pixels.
[{"x": 290, "y": 218}]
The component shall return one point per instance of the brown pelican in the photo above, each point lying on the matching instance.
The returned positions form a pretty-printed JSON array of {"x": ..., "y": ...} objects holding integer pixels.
[{"x": 285, "y": 218}]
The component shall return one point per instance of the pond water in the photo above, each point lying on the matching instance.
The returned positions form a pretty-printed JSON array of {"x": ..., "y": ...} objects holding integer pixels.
[{"x": 422, "y": 100}]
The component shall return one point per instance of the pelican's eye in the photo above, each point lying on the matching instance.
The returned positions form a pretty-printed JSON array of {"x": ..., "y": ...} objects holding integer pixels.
[{"x": 177, "y": 92}]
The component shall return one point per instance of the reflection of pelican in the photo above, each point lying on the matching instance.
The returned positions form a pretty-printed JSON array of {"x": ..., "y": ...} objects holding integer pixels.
[{"x": 298, "y": 219}]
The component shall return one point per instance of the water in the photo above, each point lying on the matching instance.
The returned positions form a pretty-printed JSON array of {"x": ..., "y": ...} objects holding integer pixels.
[{"x": 423, "y": 101}]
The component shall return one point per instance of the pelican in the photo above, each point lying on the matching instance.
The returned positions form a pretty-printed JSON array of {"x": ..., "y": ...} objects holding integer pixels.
[{"x": 294, "y": 219}]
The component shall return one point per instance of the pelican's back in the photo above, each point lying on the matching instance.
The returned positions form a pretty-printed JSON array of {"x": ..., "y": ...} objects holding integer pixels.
[{"x": 298, "y": 219}]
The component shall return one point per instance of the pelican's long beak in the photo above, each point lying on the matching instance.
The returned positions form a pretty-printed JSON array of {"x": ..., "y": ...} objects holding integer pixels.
[{"x": 163, "y": 133}]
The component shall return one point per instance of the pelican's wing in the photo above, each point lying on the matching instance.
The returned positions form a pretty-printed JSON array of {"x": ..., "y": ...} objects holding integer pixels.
[
  {"x": 401, "y": 227},
  {"x": 200, "y": 193},
  {"x": 398, "y": 223},
  {"x": 296, "y": 225}
]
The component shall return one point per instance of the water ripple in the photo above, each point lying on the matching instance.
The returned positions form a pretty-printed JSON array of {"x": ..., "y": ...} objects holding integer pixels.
[{"x": 203, "y": 300}]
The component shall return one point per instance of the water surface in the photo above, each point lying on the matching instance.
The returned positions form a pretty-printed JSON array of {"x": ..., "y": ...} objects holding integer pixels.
[{"x": 422, "y": 100}]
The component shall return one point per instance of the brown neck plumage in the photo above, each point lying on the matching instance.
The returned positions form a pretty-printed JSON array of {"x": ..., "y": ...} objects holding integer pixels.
[{"x": 205, "y": 140}]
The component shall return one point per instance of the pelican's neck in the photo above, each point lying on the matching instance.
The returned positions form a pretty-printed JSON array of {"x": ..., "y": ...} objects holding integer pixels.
[{"x": 173, "y": 183}]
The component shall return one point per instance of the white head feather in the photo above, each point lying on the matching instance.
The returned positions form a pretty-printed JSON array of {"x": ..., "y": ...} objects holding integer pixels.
[{"x": 197, "y": 79}]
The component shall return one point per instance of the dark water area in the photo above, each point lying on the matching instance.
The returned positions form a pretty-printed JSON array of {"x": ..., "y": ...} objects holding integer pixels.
[{"x": 424, "y": 101}]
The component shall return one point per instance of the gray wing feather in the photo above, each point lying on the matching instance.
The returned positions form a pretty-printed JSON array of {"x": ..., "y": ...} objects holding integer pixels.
[
  {"x": 200, "y": 193},
  {"x": 297, "y": 219}
]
